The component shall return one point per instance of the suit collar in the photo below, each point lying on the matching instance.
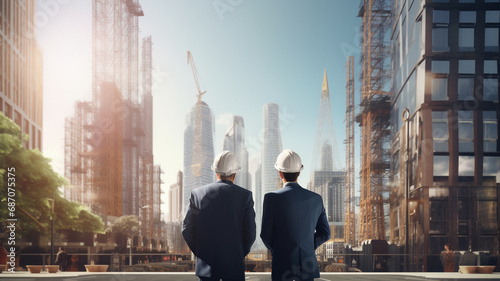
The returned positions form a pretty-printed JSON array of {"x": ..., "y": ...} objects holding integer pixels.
[
  {"x": 292, "y": 184},
  {"x": 224, "y": 181}
]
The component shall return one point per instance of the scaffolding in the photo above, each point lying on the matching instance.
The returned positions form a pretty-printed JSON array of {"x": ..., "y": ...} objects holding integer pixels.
[
  {"x": 350, "y": 215},
  {"x": 374, "y": 117},
  {"x": 146, "y": 161}
]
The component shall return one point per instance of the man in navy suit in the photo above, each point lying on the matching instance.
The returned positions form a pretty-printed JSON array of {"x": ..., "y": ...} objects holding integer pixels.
[
  {"x": 219, "y": 226},
  {"x": 294, "y": 224}
]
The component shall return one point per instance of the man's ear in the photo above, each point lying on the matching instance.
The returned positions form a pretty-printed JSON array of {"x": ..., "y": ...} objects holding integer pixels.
[{"x": 281, "y": 175}]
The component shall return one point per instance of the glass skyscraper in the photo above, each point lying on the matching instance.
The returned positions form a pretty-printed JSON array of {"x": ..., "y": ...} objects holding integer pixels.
[
  {"x": 446, "y": 156},
  {"x": 271, "y": 148},
  {"x": 198, "y": 149},
  {"x": 234, "y": 141}
]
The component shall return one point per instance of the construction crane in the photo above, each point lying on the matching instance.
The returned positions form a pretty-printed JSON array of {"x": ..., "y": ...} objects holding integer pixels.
[{"x": 197, "y": 159}]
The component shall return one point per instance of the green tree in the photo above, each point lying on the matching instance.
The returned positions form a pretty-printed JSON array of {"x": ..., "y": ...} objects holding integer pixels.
[
  {"x": 124, "y": 227},
  {"x": 35, "y": 182},
  {"x": 127, "y": 225}
]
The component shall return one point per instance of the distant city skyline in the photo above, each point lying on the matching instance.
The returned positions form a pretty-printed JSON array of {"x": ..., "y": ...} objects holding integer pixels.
[{"x": 242, "y": 64}]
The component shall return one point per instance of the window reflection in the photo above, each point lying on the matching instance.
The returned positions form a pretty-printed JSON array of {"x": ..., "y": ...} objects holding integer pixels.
[
  {"x": 466, "y": 166},
  {"x": 441, "y": 20},
  {"x": 491, "y": 167},
  {"x": 440, "y": 131},
  {"x": 490, "y": 67},
  {"x": 490, "y": 89},
  {"x": 441, "y": 166},
  {"x": 466, "y": 39},
  {"x": 465, "y": 131},
  {"x": 490, "y": 131},
  {"x": 491, "y": 39}
]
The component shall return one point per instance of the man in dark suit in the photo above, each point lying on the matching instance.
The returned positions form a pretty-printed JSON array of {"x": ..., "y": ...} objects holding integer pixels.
[
  {"x": 219, "y": 226},
  {"x": 294, "y": 224}
]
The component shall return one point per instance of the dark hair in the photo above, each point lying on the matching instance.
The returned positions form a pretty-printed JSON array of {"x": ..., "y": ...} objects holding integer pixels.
[
  {"x": 62, "y": 248},
  {"x": 449, "y": 246},
  {"x": 291, "y": 176},
  {"x": 225, "y": 178}
]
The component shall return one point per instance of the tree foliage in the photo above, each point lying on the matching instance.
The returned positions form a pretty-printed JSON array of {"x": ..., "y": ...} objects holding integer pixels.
[
  {"x": 126, "y": 225},
  {"x": 35, "y": 184}
]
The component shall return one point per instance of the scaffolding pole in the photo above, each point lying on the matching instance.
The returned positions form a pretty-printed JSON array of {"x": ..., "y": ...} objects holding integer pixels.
[{"x": 350, "y": 215}]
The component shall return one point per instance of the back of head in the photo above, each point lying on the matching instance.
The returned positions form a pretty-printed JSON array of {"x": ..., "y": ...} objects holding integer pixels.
[{"x": 225, "y": 164}]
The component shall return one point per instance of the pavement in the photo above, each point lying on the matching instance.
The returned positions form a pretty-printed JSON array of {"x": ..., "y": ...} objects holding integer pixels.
[{"x": 189, "y": 276}]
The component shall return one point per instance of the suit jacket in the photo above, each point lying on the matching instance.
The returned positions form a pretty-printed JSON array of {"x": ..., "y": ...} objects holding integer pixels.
[
  {"x": 294, "y": 224},
  {"x": 219, "y": 228}
]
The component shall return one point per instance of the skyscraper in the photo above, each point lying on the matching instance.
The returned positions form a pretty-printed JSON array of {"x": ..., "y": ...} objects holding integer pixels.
[
  {"x": 326, "y": 178},
  {"x": 198, "y": 149},
  {"x": 446, "y": 156},
  {"x": 21, "y": 87},
  {"x": 175, "y": 200},
  {"x": 235, "y": 142},
  {"x": 271, "y": 148},
  {"x": 325, "y": 150}
]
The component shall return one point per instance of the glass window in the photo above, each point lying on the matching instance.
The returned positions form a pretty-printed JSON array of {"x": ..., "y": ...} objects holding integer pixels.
[
  {"x": 491, "y": 39},
  {"x": 440, "y": 131},
  {"x": 441, "y": 166},
  {"x": 466, "y": 39},
  {"x": 466, "y": 88},
  {"x": 491, "y": 167},
  {"x": 467, "y": 16},
  {"x": 465, "y": 131},
  {"x": 490, "y": 89},
  {"x": 487, "y": 216},
  {"x": 466, "y": 166},
  {"x": 440, "y": 39},
  {"x": 466, "y": 67},
  {"x": 440, "y": 66},
  {"x": 490, "y": 67},
  {"x": 492, "y": 17},
  {"x": 490, "y": 131},
  {"x": 440, "y": 16},
  {"x": 439, "y": 89},
  {"x": 467, "y": 1}
]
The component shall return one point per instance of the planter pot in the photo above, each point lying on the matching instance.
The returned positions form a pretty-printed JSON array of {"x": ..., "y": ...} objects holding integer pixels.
[
  {"x": 52, "y": 268},
  {"x": 34, "y": 268},
  {"x": 485, "y": 269},
  {"x": 467, "y": 268},
  {"x": 96, "y": 267}
]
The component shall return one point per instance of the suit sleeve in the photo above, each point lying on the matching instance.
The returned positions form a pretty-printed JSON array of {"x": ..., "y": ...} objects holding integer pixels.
[
  {"x": 249, "y": 225},
  {"x": 267, "y": 230},
  {"x": 322, "y": 233},
  {"x": 189, "y": 225}
]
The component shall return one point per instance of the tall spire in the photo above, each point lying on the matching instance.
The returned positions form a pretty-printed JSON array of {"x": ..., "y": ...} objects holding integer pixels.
[
  {"x": 324, "y": 90},
  {"x": 325, "y": 153}
]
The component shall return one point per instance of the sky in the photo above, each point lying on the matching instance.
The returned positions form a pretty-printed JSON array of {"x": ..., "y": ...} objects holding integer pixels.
[{"x": 247, "y": 53}]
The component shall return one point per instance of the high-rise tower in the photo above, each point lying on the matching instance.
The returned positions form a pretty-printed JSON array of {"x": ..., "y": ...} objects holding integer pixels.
[
  {"x": 21, "y": 87},
  {"x": 235, "y": 142},
  {"x": 198, "y": 149},
  {"x": 325, "y": 145},
  {"x": 271, "y": 148}
]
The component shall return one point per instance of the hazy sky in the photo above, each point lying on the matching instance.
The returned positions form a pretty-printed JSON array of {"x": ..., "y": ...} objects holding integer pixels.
[{"x": 247, "y": 53}]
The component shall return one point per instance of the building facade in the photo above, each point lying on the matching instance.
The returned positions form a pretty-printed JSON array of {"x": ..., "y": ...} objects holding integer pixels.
[
  {"x": 271, "y": 148},
  {"x": 175, "y": 200},
  {"x": 445, "y": 154},
  {"x": 21, "y": 85},
  {"x": 198, "y": 149},
  {"x": 234, "y": 141}
]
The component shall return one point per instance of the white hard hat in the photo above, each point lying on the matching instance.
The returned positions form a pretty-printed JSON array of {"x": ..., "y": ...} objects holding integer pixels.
[
  {"x": 288, "y": 162},
  {"x": 225, "y": 164}
]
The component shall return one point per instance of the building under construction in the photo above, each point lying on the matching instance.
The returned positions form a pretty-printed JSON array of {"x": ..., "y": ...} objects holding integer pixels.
[
  {"x": 350, "y": 195},
  {"x": 109, "y": 141},
  {"x": 374, "y": 119}
]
